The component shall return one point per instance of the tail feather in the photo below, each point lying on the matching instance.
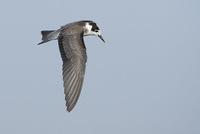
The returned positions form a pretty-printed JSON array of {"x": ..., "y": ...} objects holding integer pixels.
[
  {"x": 48, "y": 35},
  {"x": 42, "y": 42},
  {"x": 45, "y": 33}
]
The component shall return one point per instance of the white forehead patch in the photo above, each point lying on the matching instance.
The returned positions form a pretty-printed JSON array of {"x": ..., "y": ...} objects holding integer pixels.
[
  {"x": 88, "y": 26},
  {"x": 88, "y": 30}
]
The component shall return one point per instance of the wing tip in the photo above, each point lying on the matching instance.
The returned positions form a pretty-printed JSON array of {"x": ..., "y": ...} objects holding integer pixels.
[
  {"x": 71, "y": 105},
  {"x": 69, "y": 109}
]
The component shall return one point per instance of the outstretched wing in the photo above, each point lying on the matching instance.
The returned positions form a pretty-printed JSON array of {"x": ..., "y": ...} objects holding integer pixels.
[{"x": 74, "y": 58}]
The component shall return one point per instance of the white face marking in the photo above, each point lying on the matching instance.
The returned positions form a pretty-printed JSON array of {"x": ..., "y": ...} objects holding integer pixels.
[{"x": 88, "y": 30}]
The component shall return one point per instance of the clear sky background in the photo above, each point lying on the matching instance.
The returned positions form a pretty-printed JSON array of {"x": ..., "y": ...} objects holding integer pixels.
[{"x": 144, "y": 80}]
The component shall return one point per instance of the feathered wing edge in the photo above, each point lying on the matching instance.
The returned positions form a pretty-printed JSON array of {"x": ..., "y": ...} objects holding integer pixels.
[
  {"x": 73, "y": 72},
  {"x": 72, "y": 84}
]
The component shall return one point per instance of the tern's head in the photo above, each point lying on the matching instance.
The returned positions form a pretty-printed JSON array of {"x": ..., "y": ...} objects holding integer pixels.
[{"x": 91, "y": 28}]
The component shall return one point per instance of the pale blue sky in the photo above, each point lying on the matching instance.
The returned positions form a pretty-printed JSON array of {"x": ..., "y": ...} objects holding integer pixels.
[{"x": 144, "y": 80}]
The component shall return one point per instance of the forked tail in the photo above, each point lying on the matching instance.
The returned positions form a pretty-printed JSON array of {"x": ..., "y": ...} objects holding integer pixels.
[{"x": 48, "y": 35}]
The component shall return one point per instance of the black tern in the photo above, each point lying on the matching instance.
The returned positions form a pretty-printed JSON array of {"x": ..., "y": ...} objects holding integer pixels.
[{"x": 74, "y": 56}]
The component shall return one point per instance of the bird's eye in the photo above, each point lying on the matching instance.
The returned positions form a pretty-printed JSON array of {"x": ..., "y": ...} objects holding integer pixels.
[{"x": 96, "y": 30}]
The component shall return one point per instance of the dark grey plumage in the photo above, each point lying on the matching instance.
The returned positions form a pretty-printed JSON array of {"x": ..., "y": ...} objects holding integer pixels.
[
  {"x": 73, "y": 53},
  {"x": 74, "y": 57}
]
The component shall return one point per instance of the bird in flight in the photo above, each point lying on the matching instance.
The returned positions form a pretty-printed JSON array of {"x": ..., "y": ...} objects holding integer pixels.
[{"x": 73, "y": 53}]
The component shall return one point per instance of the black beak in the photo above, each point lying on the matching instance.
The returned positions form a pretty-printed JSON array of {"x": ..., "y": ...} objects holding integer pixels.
[{"x": 101, "y": 38}]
